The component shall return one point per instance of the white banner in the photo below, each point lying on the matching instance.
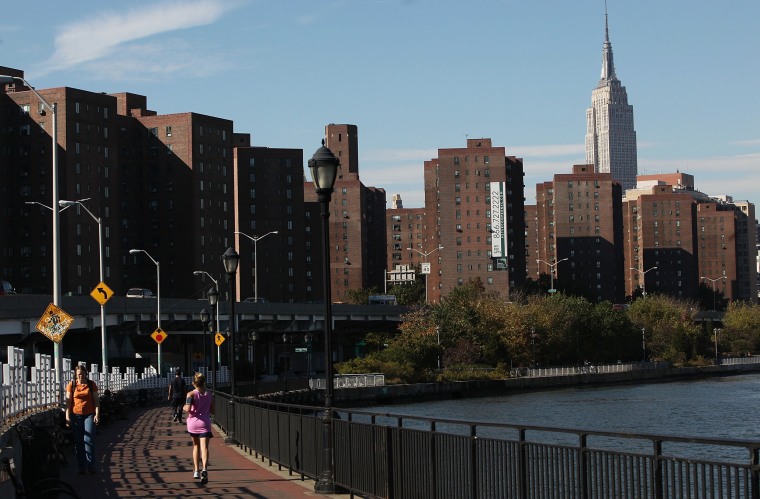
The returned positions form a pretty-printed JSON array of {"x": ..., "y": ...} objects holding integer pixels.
[{"x": 498, "y": 220}]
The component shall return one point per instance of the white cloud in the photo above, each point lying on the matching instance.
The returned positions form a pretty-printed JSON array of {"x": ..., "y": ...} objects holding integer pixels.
[{"x": 99, "y": 36}]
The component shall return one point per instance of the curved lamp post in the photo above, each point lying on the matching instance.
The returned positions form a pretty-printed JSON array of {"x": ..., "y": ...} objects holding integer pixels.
[
  {"x": 552, "y": 266},
  {"x": 216, "y": 287},
  {"x": 255, "y": 240},
  {"x": 213, "y": 300},
  {"x": 324, "y": 169},
  {"x": 231, "y": 260},
  {"x": 158, "y": 296},
  {"x": 643, "y": 279},
  {"x": 713, "y": 281},
  {"x": 424, "y": 257},
  {"x": 65, "y": 204},
  {"x": 53, "y": 108}
]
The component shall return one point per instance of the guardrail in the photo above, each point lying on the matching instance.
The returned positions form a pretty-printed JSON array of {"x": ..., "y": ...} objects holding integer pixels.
[{"x": 394, "y": 456}]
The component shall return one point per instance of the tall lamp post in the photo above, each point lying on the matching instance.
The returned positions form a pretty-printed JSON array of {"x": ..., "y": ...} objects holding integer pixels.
[
  {"x": 324, "y": 169},
  {"x": 253, "y": 336},
  {"x": 643, "y": 279},
  {"x": 53, "y": 108},
  {"x": 643, "y": 345},
  {"x": 213, "y": 297},
  {"x": 231, "y": 260},
  {"x": 215, "y": 288},
  {"x": 255, "y": 240},
  {"x": 552, "y": 266},
  {"x": 205, "y": 319},
  {"x": 65, "y": 204},
  {"x": 713, "y": 281},
  {"x": 424, "y": 259},
  {"x": 716, "y": 331},
  {"x": 158, "y": 296}
]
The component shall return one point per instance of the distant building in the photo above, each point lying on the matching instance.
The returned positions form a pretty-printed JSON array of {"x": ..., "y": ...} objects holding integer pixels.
[
  {"x": 610, "y": 135},
  {"x": 459, "y": 186}
]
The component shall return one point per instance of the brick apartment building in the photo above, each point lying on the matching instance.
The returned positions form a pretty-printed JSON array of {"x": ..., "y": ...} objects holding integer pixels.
[
  {"x": 357, "y": 220},
  {"x": 578, "y": 220},
  {"x": 458, "y": 209},
  {"x": 406, "y": 228}
]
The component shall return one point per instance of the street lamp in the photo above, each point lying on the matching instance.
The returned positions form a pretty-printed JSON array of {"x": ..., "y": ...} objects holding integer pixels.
[
  {"x": 643, "y": 279},
  {"x": 213, "y": 297},
  {"x": 255, "y": 240},
  {"x": 53, "y": 108},
  {"x": 716, "y": 331},
  {"x": 285, "y": 359},
  {"x": 231, "y": 260},
  {"x": 551, "y": 271},
  {"x": 424, "y": 259},
  {"x": 205, "y": 318},
  {"x": 643, "y": 345},
  {"x": 215, "y": 288},
  {"x": 253, "y": 336},
  {"x": 713, "y": 286},
  {"x": 158, "y": 296},
  {"x": 324, "y": 168},
  {"x": 65, "y": 204}
]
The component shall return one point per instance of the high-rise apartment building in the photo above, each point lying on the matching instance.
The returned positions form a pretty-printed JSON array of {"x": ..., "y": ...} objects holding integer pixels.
[
  {"x": 357, "y": 219},
  {"x": 580, "y": 233},
  {"x": 610, "y": 135},
  {"x": 459, "y": 204}
]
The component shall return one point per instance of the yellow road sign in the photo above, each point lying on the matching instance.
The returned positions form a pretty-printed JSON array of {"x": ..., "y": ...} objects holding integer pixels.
[
  {"x": 54, "y": 323},
  {"x": 102, "y": 293},
  {"x": 159, "y": 335},
  {"x": 219, "y": 339}
]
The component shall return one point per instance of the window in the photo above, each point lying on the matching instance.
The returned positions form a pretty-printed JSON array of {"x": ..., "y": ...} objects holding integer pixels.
[{"x": 168, "y": 131}]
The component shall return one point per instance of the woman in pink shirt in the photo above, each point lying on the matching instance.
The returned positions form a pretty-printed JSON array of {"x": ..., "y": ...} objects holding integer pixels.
[{"x": 199, "y": 406}]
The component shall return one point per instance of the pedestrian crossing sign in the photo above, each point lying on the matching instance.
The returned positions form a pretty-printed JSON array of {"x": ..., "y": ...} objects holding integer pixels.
[
  {"x": 219, "y": 339},
  {"x": 54, "y": 323}
]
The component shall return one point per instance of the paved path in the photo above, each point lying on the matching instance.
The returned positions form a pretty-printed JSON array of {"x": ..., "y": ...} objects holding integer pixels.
[{"x": 147, "y": 455}]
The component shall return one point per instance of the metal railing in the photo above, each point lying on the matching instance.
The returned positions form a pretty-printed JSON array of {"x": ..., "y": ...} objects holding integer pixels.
[{"x": 393, "y": 456}]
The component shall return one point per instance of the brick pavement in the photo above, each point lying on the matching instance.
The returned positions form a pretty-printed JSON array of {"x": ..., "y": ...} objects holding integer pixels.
[{"x": 147, "y": 455}]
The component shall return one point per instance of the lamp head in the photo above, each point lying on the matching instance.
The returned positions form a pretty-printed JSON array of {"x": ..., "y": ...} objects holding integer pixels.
[
  {"x": 213, "y": 296},
  {"x": 205, "y": 316},
  {"x": 134, "y": 251},
  {"x": 230, "y": 259},
  {"x": 324, "y": 168},
  {"x": 63, "y": 203}
]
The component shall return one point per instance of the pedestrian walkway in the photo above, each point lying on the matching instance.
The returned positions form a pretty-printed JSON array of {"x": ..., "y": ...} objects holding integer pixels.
[{"x": 148, "y": 455}]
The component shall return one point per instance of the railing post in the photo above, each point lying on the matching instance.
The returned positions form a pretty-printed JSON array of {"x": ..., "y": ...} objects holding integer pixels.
[
  {"x": 522, "y": 464},
  {"x": 657, "y": 470},
  {"x": 473, "y": 460},
  {"x": 582, "y": 466},
  {"x": 755, "y": 472},
  {"x": 434, "y": 475}
]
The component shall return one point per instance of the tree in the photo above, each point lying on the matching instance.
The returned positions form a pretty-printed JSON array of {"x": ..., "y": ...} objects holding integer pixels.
[
  {"x": 669, "y": 327},
  {"x": 741, "y": 328}
]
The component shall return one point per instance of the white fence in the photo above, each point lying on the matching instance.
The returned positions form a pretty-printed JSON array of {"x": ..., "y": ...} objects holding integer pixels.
[
  {"x": 349, "y": 381},
  {"x": 25, "y": 390}
]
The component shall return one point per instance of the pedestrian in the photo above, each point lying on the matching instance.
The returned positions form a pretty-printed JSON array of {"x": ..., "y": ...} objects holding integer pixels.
[
  {"x": 199, "y": 405},
  {"x": 82, "y": 414},
  {"x": 177, "y": 393}
]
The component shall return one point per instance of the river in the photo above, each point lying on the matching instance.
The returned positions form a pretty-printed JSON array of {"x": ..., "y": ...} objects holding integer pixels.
[{"x": 720, "y": 408}]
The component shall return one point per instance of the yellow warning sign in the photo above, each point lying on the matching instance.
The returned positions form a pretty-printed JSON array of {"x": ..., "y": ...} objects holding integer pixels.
[
  {"x": 54, "y": 323},
  {"x": 159, "y": 335},
  {"x": 219, "y": 339},
  {"x": 102, "y": 293}
]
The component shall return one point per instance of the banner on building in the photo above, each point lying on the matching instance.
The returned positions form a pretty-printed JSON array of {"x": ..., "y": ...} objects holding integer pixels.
[{"x": 498, "y": 219}]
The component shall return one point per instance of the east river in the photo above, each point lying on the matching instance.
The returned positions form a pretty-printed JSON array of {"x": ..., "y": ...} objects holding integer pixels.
[{"x": 718, "y": 408}]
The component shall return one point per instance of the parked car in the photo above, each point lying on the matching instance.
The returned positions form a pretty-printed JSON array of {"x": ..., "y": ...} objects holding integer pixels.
[
  {"x": 140, "y": 293},
  {"x": 6, "y": 288},
  {"x": 251, "y": 299}
]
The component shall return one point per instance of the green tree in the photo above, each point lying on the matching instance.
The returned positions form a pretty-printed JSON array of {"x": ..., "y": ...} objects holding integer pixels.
[
  {"x": 741, "y": 328},
  {"x": 669, "y": 328}
]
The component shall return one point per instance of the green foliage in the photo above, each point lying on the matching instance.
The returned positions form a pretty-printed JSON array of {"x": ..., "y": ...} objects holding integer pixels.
[
  {"x": 669, "y": 328},
  {"x": 741, "y": 328},
  {"x": 360, "y": 296},
  {"x": 394, "y": 372}
]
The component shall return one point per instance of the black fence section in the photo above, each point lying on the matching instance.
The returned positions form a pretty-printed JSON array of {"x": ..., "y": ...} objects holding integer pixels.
[{"x": 392, "y": 456}]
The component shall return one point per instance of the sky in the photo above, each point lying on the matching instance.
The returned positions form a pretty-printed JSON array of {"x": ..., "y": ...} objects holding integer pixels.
[{"x": 416, "y": 76}]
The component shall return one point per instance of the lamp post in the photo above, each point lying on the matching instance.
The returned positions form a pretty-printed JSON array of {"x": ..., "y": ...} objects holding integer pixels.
[
  {"x": 215, "y": 288},
  {"x": 424, "y": 259},
  {"x": 307, "y": 338},
  {"x": 53, "y": 108},
  {"x": 231, "y": 260},
  {"x": 552, "y": 266},
  {"x": 285, "y": 359},
  {"x": 158, "y": 296},
  {"x": 716, "y": 331},
  {"x": 643, "y": 279},
  {"x": 65, "y": 204},
  {"x": 213, "y": 297},
  {"x": 205, "y": 319},
  {"x": 253, "y": 336},
  {"x": 643, "y": 345},
  {"x": 255, "y": 240},
  {"x": 713, "y": 281},
  {"x": 533, "y": 346},
  {"x": 324, "y": 169}
]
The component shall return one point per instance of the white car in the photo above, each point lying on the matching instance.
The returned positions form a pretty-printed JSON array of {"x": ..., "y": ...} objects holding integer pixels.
[{"x": 140, "y": 293}]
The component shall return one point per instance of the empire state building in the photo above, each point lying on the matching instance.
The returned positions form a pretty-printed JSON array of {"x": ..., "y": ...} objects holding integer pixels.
[{"x": 610, "y": 137}]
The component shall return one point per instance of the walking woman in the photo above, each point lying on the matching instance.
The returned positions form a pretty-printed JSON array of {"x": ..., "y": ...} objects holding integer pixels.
[
  {"x": 82, "y": 414},
  {"x": 199, "y": 405}
]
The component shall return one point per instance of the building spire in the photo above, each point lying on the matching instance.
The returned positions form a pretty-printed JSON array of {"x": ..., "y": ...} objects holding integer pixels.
[{"x": 608, "y": 64}]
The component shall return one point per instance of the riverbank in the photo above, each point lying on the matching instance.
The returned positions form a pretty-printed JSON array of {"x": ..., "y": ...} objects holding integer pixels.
[{"x": 423, "y": 392}]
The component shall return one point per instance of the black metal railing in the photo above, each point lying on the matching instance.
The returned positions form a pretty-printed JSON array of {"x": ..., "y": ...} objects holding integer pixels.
[{"x": 392, "y": 456}]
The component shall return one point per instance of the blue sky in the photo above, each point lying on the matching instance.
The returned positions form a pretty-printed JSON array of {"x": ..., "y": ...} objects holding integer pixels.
[{"x": 418, "y": 75}]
